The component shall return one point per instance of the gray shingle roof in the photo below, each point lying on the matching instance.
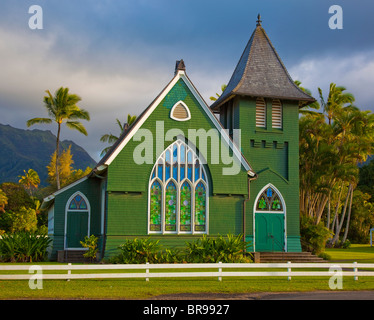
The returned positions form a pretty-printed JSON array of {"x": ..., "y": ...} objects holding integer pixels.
[{"x": 261, "y": 73}]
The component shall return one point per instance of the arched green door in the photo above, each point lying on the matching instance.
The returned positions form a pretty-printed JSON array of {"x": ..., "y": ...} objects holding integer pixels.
[
  {"x": 77, "y": 221},
  {"x": 269, "y": 221}
]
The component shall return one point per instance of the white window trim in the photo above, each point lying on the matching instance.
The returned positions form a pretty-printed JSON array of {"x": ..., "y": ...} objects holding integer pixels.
[
  {"x": 178, "y": 185},
  {"x": 185, "y": 106},
  {"x": 284, "y": 211},
  {"x": 66, "y": 218}
]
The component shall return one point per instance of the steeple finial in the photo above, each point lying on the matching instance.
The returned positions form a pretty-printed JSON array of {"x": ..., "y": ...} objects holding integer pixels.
[
  {"x": 258, "y": 20},
  {"x": 179, "y": 65}
]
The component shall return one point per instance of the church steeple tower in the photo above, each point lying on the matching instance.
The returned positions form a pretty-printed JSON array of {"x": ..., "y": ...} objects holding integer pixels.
[
  {"x": 262, "y": 100},
  {"x": 261, "y": 73}
]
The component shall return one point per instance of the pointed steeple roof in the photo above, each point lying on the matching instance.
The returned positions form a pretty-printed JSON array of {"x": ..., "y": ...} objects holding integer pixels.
[{"x": 261, "y": 73}]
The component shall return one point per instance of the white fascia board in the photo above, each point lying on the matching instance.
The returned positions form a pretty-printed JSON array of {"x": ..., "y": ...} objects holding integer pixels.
[
  {"x": 143, "y": 119},
  {"x": 53, "y": 195}
]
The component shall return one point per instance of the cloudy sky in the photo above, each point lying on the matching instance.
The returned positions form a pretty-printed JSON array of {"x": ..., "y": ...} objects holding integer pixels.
[{"x": 118, "y": 55}]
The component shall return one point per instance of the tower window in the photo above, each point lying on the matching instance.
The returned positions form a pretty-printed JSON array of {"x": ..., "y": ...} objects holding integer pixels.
[
  {"x": 276, "y": 114},
  {"x": 260, "y": 113}
]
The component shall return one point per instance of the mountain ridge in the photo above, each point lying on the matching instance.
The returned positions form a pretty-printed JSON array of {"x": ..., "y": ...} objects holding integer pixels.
[{"x": 32, "y": 149}]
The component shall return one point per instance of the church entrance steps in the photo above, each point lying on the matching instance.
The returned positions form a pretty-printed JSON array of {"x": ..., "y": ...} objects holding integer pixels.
[{"x": 282, "y": 257}]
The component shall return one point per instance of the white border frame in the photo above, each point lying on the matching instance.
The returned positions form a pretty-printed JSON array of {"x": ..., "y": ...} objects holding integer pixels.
[
  {"x": 185, "y": 106},
  {"x": 67, "y": 210},
  {"x": 179, "y": 184},
  {"x": 284, "y": 212}
]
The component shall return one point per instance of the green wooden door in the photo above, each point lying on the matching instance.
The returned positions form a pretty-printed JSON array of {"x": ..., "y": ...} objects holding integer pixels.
[
  {"x": 269, "y": 232},
  {"x": 77, "y": 228}
]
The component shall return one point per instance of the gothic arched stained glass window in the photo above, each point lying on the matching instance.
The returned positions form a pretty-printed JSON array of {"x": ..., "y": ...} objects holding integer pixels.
[
  {"x": 78, "y": 203},
  {"x": 178, "y": 196},
  {"x": 155, "y": 206},
  {"x": 185, "y": 207},
  {"x": 200, "y": 207},
  {"x": 269, "y": 200},
  {"x": 171, "y": 207}
]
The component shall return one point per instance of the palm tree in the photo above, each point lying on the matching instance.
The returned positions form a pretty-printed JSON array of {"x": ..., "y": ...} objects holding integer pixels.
[
  {"x": 110, "y": 138},
  {"x": 223, "y": 87},
  {"x": 336, "y": 99},
  {"x": 314, "y": 105},
  {"x": 30, "y": 180},
  {"x": 62, "y": 108}
]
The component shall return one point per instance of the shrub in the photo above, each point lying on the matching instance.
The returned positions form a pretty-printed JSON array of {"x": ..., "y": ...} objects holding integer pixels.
[
  {"x": 138, "y": 251},
  {"x": 221, "y": 249},
  {"x": 24, "y": 247},
  {"x": 313, "y": 237},
  {"x": 324, "y": 256},
  {"x": 24, "y": 220},
  {"x": 90, "y": 243},
  {"x": 228, "y": 248}
]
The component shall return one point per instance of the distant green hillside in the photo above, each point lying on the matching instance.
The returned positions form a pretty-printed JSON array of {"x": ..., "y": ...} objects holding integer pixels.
[{"x": 32, "y": 149}]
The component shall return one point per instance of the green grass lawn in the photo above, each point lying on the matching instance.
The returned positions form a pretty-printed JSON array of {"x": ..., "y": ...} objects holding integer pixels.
[
  {"x": 362, "y": 253},
  {"x": 140, "y": 289}
]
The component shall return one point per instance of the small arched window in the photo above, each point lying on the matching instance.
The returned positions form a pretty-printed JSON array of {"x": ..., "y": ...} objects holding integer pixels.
[
  {"x": 180, "y": 112},
  {"x": 78, "y": 203},
  {"x": 260, "y": 113},
  {"x": 178, "y": 192},
  {"x": 269, "y": 201}
]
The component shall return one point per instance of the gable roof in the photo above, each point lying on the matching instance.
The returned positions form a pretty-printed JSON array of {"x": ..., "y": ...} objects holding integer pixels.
[
  {"x": 261, "y": 73},
  {"x": 128, "y": 134}
]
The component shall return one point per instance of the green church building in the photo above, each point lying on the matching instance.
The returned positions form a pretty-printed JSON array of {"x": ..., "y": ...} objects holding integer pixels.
[{"x": 185, "y": 169}]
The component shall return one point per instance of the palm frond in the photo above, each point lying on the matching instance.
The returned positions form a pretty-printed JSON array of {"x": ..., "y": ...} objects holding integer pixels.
[
  {"x": 75, "y": 125},
  {"x": 38, "y": 121}
]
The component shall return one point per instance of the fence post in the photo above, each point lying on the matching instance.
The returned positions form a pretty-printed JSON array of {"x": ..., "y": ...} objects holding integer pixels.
[
  {"x": 220, "y": 271},
  {"x": 289, "y": 270},
  {"x": 147, "y": 272},
  {"x": 355, "y": 269},
  {"x": 69, "y": 272}
]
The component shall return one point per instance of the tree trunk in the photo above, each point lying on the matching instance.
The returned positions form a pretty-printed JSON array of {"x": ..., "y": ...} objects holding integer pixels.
[
  {"x": 57, "y": 156},
  {"x": 348, "y": 218},
  {"x": 337, "y": 208},
  {"x": 328, "y": 212},
  {"x": 340, "y": 225}
]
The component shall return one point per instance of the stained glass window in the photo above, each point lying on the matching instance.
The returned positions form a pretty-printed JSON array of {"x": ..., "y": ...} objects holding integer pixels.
[
  {"x": 78, "y": 203},
  {"x": 185, "y": 207},
  {"x": 269, "y": 200},
  {"x": 155, "y": 206},
  {"x": 200, "y": 207},
  {"x": 170, "y": 207},
  {"x": 178, "y": 192}
]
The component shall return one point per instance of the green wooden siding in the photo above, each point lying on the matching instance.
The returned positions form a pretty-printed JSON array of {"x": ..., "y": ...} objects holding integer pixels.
[
  {"x": 128, "y": 182},
  {"x": 92, "y": 191},
  {"x": 274, "y": 156}
]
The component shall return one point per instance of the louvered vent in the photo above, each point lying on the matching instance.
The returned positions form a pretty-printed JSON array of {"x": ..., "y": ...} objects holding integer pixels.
[
  {"x": 260, "y": 113},
  {"x": 180, "y": 112},
  {"x": 277, "y": 114}
]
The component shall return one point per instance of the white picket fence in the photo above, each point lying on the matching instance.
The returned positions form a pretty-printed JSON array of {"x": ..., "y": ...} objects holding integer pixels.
[{"x": 173, "y": 270}]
